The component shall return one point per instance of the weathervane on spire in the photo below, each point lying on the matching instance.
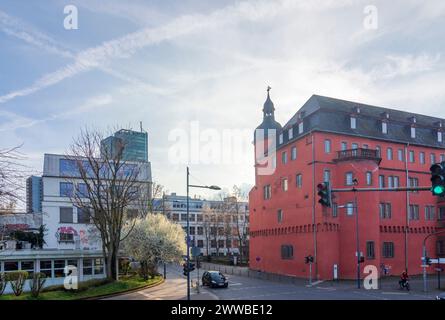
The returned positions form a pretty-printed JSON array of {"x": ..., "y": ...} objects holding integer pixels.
[{"x": 268, "y": 89}]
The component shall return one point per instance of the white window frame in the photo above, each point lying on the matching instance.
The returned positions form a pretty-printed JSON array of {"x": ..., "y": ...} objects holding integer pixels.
[
  {"x": 300, "y": 128},
  {"x": 384, "y": 127},
  {"x": 413, "y": 132},
  {"x": 291, "y": 133},
  {"x": 353, "y": 122}
]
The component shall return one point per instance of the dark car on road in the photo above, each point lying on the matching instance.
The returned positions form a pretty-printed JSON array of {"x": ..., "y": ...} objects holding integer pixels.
[{"x": 214, "y": 279}]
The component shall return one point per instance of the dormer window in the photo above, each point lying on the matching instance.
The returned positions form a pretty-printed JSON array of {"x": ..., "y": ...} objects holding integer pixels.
[
  {"x": 357, "y": 110},
  {"x": 280, "y": 138},
  {"x": 413, "y": 132},
  {"x": 384, "y": 127},
  {"x": 300, "y": 127},
  {"x": 439, "y": 136},
  {"x": 413, "y": 119},
  {"x": 353, "y": 122},
  {"x": 291, "y": 133}
]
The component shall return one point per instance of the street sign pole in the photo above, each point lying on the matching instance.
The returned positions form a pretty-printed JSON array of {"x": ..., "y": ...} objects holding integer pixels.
[{"x": 310, "y": 273}]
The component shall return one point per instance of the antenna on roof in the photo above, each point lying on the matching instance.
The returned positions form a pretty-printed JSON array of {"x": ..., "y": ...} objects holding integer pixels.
[{"x": 140, "y": 122}]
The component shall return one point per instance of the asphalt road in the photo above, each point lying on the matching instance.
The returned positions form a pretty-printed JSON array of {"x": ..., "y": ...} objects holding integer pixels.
[{"x": 244, "y": 288}]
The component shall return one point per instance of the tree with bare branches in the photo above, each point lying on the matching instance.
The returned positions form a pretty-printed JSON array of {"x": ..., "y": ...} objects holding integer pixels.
[
  {"x": 12, "y": 174},
  {"x": 106, "y": 189}
]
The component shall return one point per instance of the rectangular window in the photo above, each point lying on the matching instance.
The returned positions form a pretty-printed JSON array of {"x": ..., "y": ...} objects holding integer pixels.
[
  {"x": 280, "y": 137},
  {"x": 266, "y": 192},
  {"x": 299, "y": 180},
  {"x": 349, "y": 209},
  {"x": 441, "y": 214},
  {"x": 280, "y": 215},
  {"x": 390, "y": 182},
  {"x": 221, "y": 243},
  {"x": 284, "y": 157},
  {"x": 384, "y": 127},
  {"x": 422, "y": 157},
  {"x": 287, "y": 252},
  {"x": 396, "y": 182},
  {"x": 300, "y": 128},
  {"x": 370, "y": 250},
  {"x": 82, "y": 190},
  {"x": 344, "y": 146},
  {"x": 433, "y": 158},
  {"x": 413, "y": 132},
  {"x": 59, "y": 266},
  {"x": 334, "y": 210},
  {"x": 284, "y": 185},
  {"x": 429, "y": 212},
  {"x": 175, "y": 216},
  {"x": 354, "y": 146},
  {"x": 400, "y": 155},
  {"x": 192, "y": 231},
  {"x": 413, "y": 182},
  {"x": 378, "y": 151},
  {"x": 327, "y": 146},
  {"x": 349, "y": 177},
  {"x": 66, "y": 189},
  {"x": 389, "y": 153},
  {"x": 439, "y": 136},
  {"x": 369, "y": 178},
  {"x": 46, "y": 267},
  {"x": 326, "y": 175},
  {"x": 200, "y": 231},
  {"x": 294, "y": 153},
  {"x": 87, "y": 267},
  {"x": 385, "y": 210},
  {"x": 291, "y": 133},
  {"x": 66, "y": 215},
  {"x": 411, "y": 156},
  {"x": 381, "y": 181},
  {"x": 200, "y": 243},
  {"x": 183, "y": 217},
  {"x": 98, "y": 266},
  {"x": 413, "y": 212},
  {"x": 442, "y": 157},
  {"x": 353, "y": 123},
  {"x": 388, "y": 250},
  {"x": 83, "y": 215}
]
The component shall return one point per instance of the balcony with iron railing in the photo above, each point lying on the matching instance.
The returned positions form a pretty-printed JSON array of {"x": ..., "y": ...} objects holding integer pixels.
[{"x": 359, "y": 154}]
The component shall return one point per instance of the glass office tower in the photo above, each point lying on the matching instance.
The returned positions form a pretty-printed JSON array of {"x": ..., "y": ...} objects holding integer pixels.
[{"x": 135, "y": 145}]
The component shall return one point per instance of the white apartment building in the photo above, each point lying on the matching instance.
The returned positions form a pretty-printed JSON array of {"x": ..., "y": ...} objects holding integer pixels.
[
  {"x": 70, "y": 238},
  {"x": 215, "y": 237}
]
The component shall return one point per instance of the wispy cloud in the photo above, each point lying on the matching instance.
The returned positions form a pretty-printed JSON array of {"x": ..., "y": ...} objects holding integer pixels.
[{"x": 127, "y": 45}]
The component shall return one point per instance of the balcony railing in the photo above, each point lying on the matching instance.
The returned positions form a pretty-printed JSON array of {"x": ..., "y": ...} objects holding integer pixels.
[{"x": 358, "y": 154}]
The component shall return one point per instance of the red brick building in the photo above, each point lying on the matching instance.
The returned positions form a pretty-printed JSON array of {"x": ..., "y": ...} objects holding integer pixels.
[{"x": 340, "y": 141}]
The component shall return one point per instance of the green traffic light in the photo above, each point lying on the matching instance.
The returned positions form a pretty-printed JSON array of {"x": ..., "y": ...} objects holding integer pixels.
[{"x": 438, "y": 190}]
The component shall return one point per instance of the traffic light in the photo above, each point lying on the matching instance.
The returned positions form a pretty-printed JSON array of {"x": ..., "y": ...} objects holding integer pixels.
[
  {"x": 192, "y": 267},
  {"x": 428, "y": 261},
  {"x": 324, "y": 191},
  {"x": 438, "y": 179},
  {"x": 361, "y": 259},
  {"x": 308, "y": 259},
  {"x": 185, "y": 269}
]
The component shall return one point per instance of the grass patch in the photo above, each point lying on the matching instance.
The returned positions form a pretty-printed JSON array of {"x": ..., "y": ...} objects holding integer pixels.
[{"x": 86, "y": 290}]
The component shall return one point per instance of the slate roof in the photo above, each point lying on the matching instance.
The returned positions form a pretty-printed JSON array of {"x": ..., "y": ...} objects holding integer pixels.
[{"x": 327, "y": 114}]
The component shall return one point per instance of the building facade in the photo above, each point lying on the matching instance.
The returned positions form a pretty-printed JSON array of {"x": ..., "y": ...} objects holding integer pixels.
[
  {"x": 135, "y": 145},
  {"x": 347, "y": 144},
  {"x": 218, "y": 228},
  {"x": 34, "y": 194}
]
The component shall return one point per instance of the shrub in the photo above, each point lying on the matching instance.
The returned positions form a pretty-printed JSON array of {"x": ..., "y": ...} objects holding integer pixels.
[
  {"x": 17, "y": 280},
  {"x": 3, "y": 283},
  {"x": 37, "y": 283}
]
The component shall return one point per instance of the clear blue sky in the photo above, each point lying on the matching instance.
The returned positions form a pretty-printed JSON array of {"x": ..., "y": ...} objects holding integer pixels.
[{"x": 171, "y": 63}]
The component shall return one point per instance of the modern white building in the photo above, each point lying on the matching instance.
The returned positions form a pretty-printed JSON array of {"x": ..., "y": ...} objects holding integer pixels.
[
  {"x": 70, "y": 238},
  {"x": 216, "y": 227}
]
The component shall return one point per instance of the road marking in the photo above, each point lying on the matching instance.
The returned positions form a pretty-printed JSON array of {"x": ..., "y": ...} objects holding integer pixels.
[
  {"x": 395, "y": 293},
  {"x": 235, "y": 284},
  {"x": 327, "y": 288}
]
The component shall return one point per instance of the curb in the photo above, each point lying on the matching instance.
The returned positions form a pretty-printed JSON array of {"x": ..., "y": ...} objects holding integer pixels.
[{"x": 126, "y": 291}]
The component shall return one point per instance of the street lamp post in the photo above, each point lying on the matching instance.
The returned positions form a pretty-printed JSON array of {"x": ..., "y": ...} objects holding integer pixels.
[{"x": 188, "y": 225}]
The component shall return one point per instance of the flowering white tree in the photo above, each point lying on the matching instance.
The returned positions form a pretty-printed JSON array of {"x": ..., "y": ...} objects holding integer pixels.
[{"x": 155, "y": 239}]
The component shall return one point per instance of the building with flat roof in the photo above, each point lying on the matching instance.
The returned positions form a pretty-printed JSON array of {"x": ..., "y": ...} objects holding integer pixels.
[
  {"x": 34, "y": 194},
  {"x": 132, "y": 144}
]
